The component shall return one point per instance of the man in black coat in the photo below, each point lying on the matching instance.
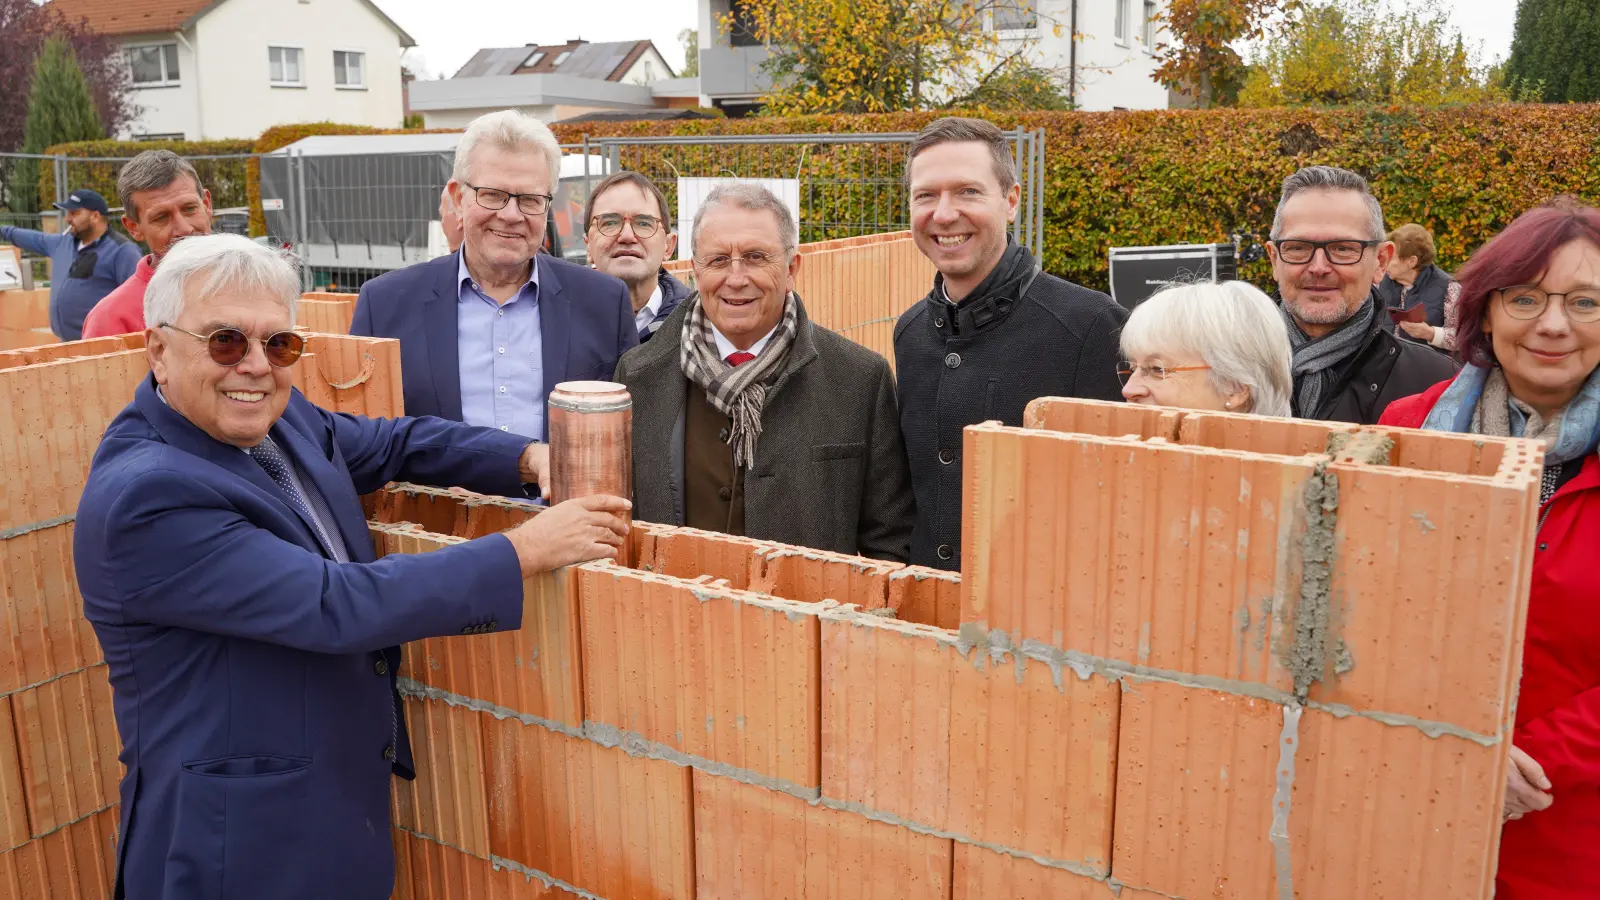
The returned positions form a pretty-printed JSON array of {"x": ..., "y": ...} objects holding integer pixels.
[
  {"x": 1328, "y": 252},
  {"x": 993, "y": 334}
]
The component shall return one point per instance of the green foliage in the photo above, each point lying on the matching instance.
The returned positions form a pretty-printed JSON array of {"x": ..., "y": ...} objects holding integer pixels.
[
  {"x": 1141, "y": 178},
  {"x": 412, "y": 122},
  {"x": 226, "y": 179},
  {"x": 1203, "y": 60},
  {"x": 59, "y": 109},
  {"x": 1557, "y": 47},
  {"x": 691, "y": 52},
  {"x": 1019, "y": 86},
  {"x": 1335, "y": 52}
]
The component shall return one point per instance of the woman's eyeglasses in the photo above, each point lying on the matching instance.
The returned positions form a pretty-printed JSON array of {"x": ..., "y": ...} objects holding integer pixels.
[
  {"x": 229, "y": 346},
  {"x": 1156, "y": 372},
  {"x": 1526, "y": 301}
]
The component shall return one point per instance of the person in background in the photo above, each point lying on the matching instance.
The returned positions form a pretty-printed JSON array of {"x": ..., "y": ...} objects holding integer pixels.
[
  {"x": 163, "y": 201},
  {"x": 1529, "y": 332},
  {"x": 486, "y": 332},
  {"x": 1328, "y": 252},
  {"x": 629, "y": 236},
  {"x": 450, "y": 219},
  {"x": 994, "y": 333},
  {"x": 1208, "y": 346},
  {"x": 86, "y": 263},
  {"x": 1413, "y": 280},
  {"x": 750, "y": 420}
]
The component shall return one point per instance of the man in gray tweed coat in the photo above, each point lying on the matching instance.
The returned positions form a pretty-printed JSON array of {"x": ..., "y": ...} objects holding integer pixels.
[{"x": 750, "y": 420}]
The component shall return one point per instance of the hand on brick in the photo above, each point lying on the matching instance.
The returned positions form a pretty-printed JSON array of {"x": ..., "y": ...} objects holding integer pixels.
[
  {"x": 1527, "y": 788},
  {"x": 576, "y": 531},
  {"x": 535, "y": 467}
]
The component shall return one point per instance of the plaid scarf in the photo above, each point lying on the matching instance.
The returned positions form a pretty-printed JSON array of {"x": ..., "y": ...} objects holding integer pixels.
[
  {"x": 1315, "y": 360},
  {"x": 739, "y": 392}
]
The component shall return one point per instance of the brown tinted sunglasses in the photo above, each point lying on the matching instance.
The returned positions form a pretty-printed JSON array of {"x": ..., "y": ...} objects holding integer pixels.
[{"x": 228, "y": 346}]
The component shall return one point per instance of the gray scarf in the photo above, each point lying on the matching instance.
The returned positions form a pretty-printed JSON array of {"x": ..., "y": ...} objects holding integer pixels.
[
  {"x": 738, "y": 392},
  {"x": 1315, "y": 360}
]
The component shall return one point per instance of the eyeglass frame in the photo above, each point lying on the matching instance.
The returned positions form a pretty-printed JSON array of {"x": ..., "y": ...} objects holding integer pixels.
[
  {"x": 477, "y": 197},
  {"x": 743, "y": 258},
  {"x": 248, "y": 340},
  {"x": 1548, "y": 296},
  {"x": 629, "y": 222},
  {"x": 1323, "y": 246},
  {"x": 1126, "y": 371}
]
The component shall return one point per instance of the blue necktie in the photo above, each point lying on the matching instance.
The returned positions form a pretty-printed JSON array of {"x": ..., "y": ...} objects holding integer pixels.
[{"x": 276, "y": 464}]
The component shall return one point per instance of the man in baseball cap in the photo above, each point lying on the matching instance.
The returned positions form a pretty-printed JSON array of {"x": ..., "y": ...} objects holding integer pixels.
[{"x": 86, "y": 262}]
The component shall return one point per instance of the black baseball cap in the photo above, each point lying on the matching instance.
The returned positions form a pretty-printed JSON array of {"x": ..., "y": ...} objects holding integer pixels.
[{"x": 85, "y": 199}]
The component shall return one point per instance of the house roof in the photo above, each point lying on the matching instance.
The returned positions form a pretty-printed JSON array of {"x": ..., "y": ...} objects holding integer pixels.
[
  {"x": 605, "y": 61},
  {"x": 118, "y": 17}
]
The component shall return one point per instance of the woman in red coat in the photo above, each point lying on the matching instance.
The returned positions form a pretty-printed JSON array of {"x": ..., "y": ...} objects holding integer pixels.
[{"x": 1530, "y": 335}]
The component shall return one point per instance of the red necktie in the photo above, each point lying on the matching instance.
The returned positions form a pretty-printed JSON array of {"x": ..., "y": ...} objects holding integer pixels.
[{"x": 739, "y": 358}]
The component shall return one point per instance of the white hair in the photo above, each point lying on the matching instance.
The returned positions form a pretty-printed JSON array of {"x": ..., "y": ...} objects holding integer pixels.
[
  {"x": 508, "y": 130},
  {"x": 207, "y": 263},
  {"x": 1233, "y": 327},
  {"x": 752, "y": 196}
]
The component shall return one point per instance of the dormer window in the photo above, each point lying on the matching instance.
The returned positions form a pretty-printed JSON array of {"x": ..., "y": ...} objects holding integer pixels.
[
  {"x": 561, "y": 59},
  {"x": 533, "y": 60}
]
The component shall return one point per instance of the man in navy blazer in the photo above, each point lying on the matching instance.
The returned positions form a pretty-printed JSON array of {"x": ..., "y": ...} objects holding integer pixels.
[
  {"x": 252, "y": 637},
  {"x": 487, "y": 331}
]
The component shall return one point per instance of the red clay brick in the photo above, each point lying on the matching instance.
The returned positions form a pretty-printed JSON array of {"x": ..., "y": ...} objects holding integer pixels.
[
  {"x": 1258, "y": 434},
  {"x": 810, "y": 576},
  {"x": 926, "y": 596},
  {"x": 724, "y": 675},
  {"x": 326, "y": 313},
  {"x": 1370, "y": 815},
  {"x": 13, "y": 803},
  {"x": 77, "y": 862},
  {"x": 345, "y": 373},
  {"x": 42, "y": 630},
  {"x": 752, "y": 842},
  {"x": 594, "y": 817},
  {"x": 690, "y": 553},
  {"x": 427, "y": 870},
  {"x": 981, "y": 874},
  {"x": 67, "y": 745},
  {"x": 447, "y": 800},
  {"x": 1458, "y": 454},
  {"x": 886, "y": 712},
  {"x": 1102, "y": 418}
]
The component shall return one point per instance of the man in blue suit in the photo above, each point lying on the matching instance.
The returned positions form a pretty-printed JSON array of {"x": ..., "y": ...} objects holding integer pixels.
[
  {"x": 251, "y": 635},
  {"x": 487, "y": 331}
]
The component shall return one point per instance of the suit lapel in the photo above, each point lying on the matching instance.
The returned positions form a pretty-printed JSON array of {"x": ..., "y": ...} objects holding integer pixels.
[
  {"x": 555, "y": 320},
  {"x": 440, "y": 332},
  {"x": 337, "y": 492}
]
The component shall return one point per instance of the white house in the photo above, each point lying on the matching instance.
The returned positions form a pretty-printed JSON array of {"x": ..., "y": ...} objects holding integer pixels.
[
  {"x": 1110, "y": 64},
  {"x": 213, "y": 69}
]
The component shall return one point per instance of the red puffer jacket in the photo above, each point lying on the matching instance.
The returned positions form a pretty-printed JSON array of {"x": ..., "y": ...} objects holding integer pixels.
[{"x": 1554, "y": 854}]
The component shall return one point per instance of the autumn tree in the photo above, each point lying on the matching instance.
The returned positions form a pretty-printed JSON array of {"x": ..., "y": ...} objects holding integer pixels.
[
  {"x": 1336, "y": 52},
  {"x": 1202, "y": 59},
  {"x": 24, "y": 26},
  {"x": 60, "y": 109},
  {"x": 868, "y": 56},
  {"x": 1556, "y": 47}
]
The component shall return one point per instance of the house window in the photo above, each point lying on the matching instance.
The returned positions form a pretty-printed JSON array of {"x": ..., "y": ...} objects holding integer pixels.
[
  {"x": 286, "y": 67},
  {"x": 533, "y": 60},
  {"x": 153, "y": 65},
  {"x": 1149, "y": 25},
  {"x": 743, "y": 30},
  {"x": 561, "y": 58},
  {"x": 1010, "y": 15},
  {"x": 1120, "y": 28},
  {"x": 348, "y": 69}
]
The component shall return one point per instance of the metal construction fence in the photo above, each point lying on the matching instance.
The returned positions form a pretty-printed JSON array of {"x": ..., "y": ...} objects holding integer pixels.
[{"x": 352, "y": 213}]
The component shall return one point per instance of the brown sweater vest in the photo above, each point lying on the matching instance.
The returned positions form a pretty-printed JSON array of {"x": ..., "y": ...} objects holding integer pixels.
[{"x": 713, "y": 488}]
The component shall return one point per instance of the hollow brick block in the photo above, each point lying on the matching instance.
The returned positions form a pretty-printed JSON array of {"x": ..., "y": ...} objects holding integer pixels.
[
  {"x": 428, "y": 870},
  {"x": 810, "y": 576},
  {"x": 13, "y": 802},
  {"x": 926, "y": 596},
  {"x": 77, "y": 862},
  {"x": 101, "y": 346},
  {"x": 43, "y": 633},
  {"x": 325, "y": 313},
  {"x": 1373, "y": 810},
  {"x": 1102, "y": 418},
  {"x": 752, "y": 842},
  {"x": 598, "y": 819},
  {"x": 448, "y": 799},
  {"x": 980, "y": 874},
  {"x": 724, "y": 675},
  {"x": 67, "y": 746},
  {"x": 1153, "y": 554},
  {"x": 690, "y": 553},
  {"x": 1258, "y": 434},
  {"x": 351, "y": 374}
]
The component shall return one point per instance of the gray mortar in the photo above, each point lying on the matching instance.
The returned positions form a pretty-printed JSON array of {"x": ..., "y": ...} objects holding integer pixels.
[{"x": 1308, "y": 655}]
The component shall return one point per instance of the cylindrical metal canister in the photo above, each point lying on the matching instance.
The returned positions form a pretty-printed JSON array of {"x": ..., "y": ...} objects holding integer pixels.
[{"x": 591, "y": 440}]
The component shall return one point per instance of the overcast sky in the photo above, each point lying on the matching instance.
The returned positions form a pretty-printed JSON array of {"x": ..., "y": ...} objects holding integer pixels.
[{"x": 448, "y": 33}]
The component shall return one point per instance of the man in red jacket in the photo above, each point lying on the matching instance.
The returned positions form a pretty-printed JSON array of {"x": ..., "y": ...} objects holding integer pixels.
[{"x": 162, "y": 201}]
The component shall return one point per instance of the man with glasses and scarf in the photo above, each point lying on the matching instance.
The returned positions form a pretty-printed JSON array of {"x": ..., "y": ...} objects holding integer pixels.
[
  {"x": 629, "y": 236},
  {"x": 252, "y": 636},
  {"x": 487, "y": 331},
  {"x": 1329, "y": 252},
  {"x": 750, "y": 420}
]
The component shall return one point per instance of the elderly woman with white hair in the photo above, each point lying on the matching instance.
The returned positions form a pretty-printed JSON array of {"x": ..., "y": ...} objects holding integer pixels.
[{"x": 1208, "y": 346}]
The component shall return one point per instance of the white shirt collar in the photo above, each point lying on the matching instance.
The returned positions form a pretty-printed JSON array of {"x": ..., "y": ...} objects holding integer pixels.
[
  {"x": 648, "y": 314},
  {"x": 725, "y": 347}
]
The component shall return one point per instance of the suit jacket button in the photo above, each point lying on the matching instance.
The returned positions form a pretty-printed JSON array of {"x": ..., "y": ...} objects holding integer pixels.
[
  {"x": 723, "y": 435},
  {"x": 952, "y": 360},
  {"x": 946, "y": 457},
  {"x": 389, "y": 754},
  {"x": 945, "y": 552},
  {"x": 493, "y": 625},
  {"x": 725, "y": 493},
  {"x": 469, "y": 630},
  {"x": 381, "y": 667}
]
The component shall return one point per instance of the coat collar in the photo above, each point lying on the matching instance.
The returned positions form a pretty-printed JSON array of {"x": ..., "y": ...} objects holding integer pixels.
[{"x": 661, "y": 353}]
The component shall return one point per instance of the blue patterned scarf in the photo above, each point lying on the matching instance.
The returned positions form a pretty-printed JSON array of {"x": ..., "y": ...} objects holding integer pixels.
[{"x": 1575, "y": 434}]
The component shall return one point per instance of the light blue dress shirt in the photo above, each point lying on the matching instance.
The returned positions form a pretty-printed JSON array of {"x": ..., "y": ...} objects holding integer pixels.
[{"x": 501, "y": 356}]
